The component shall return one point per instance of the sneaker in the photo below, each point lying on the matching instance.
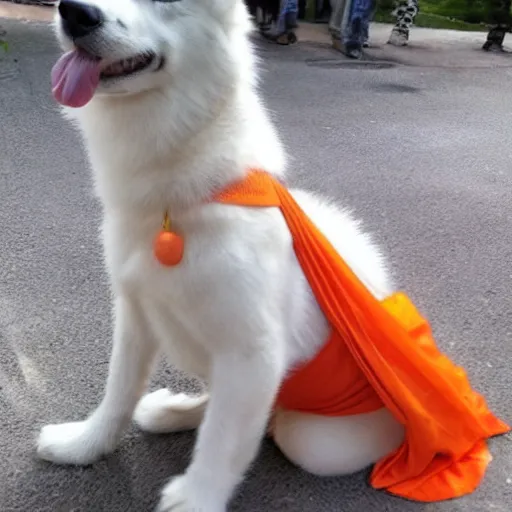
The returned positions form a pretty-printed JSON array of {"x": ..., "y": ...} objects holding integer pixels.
[
  {"x": 491, "y": 46},
  {"x": 353, "y": 51},
  {"x": 292, "y": 37},
  {"x": 399, "y": 37},
  {"x": 282, "y": 39}
]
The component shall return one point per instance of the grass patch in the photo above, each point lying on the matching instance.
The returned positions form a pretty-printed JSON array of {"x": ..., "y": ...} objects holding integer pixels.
[
  {"x": 470, "y": 11},
  {"x": 469, "y": 15},
  {"x": 434, "y": 21}
]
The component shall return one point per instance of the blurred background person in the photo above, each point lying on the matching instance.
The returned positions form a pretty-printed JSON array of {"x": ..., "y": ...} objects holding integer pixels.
[
  {"x": 349, "y": 25},
  {"x": 405, "y": 12},
  {"x": 500, "y": 20},
  {"x": 276, "y": 19}
]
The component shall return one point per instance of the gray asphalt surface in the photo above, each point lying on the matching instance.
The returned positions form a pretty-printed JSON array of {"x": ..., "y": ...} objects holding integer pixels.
[{"x": 421, "y": 152}]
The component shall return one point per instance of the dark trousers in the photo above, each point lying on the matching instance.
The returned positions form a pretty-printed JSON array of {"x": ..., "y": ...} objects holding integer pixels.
[{"x": 501, "y": 23}]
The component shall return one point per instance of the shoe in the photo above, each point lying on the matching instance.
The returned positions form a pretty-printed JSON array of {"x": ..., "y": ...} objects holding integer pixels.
[
  {"x": 282, "y": 39},
  {"x": 399, "y": 37},
  {"x": 491, "y": 46},
  {"x": 292, "y": 37},
  {"x": 354, "y": 52}
]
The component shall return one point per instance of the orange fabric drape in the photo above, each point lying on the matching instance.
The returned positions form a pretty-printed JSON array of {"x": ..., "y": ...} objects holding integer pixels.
[{"x": 393, "y": 360}]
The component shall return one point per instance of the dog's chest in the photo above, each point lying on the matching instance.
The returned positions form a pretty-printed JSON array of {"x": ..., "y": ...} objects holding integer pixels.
[
  {"x": 227, "y": 252},
  {"x": 135, "y": 270},
  {"x": 179, "y": 303},
  {"x": 238, "y": 268}
]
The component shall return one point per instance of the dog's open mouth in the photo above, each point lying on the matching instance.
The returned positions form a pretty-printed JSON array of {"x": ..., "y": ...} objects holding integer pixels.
[
  {"x": 128, "y": 67},
  {"x": 77, "y": 74}
]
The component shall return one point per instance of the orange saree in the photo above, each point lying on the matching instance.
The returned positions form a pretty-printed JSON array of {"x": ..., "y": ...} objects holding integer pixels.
[{"x": 381, "y": 354}]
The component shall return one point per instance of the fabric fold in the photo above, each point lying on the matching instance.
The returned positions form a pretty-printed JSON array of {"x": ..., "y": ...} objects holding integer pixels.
[{"x": 392, "y": 360}]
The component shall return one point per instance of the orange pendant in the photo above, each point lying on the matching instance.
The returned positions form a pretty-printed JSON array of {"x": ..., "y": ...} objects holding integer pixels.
[{"x": 168, "y": 248}]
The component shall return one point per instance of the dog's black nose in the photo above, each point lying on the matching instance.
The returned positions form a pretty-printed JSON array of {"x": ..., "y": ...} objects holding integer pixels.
[{"x": 79, "y": 19}]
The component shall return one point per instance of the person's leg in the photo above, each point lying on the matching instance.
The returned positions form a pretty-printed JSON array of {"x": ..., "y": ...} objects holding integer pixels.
[
  {"x": 285, "y": 24},
  {"x": 291, "y": 15},
  {"x": 291, "y": 20},
  {"x": 263, "y": 18},
  {"x": 500, "y": 25},
  {"x": 336, "y": 21},
  {"x": 495, "y": 38},
  {"x": 276, "y": 25},
  {"x": 322, "y": 11},
  {"x": 281, "y": 29},
  {"x": 366, "y": 26},
  {"x": 405, "y": 13},
  {"x": 281, "y": 21},
  {"x": 353, "y": 31},
  {"x": 358, "y": 21}
]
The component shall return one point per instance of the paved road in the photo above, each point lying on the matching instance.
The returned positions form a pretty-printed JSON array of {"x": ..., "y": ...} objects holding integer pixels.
[{"x": 422, "y": 153}]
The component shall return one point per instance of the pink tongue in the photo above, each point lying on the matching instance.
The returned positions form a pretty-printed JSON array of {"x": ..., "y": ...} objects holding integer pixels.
[{"x": 75, "y": 77}]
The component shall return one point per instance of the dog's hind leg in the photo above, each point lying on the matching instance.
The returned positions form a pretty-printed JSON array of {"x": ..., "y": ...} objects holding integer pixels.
[
  {"x": 162, "y": 412},
  {"x": 331, "y": 446}
]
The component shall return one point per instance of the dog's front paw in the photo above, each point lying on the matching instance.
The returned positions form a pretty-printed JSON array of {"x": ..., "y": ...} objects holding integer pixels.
[
  {"x": 180, "y": 495},
  {"x": 70, "y": 443}
]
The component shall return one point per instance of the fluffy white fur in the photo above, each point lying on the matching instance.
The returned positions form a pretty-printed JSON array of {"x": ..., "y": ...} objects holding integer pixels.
[{"x": 237, "y": 311}]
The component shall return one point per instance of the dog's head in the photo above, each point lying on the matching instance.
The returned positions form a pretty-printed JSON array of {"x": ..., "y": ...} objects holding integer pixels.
[{"x": 130, "y": 46}]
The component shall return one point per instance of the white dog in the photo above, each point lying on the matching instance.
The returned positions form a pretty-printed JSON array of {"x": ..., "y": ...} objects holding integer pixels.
[{"x": 170, "y": 113}]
